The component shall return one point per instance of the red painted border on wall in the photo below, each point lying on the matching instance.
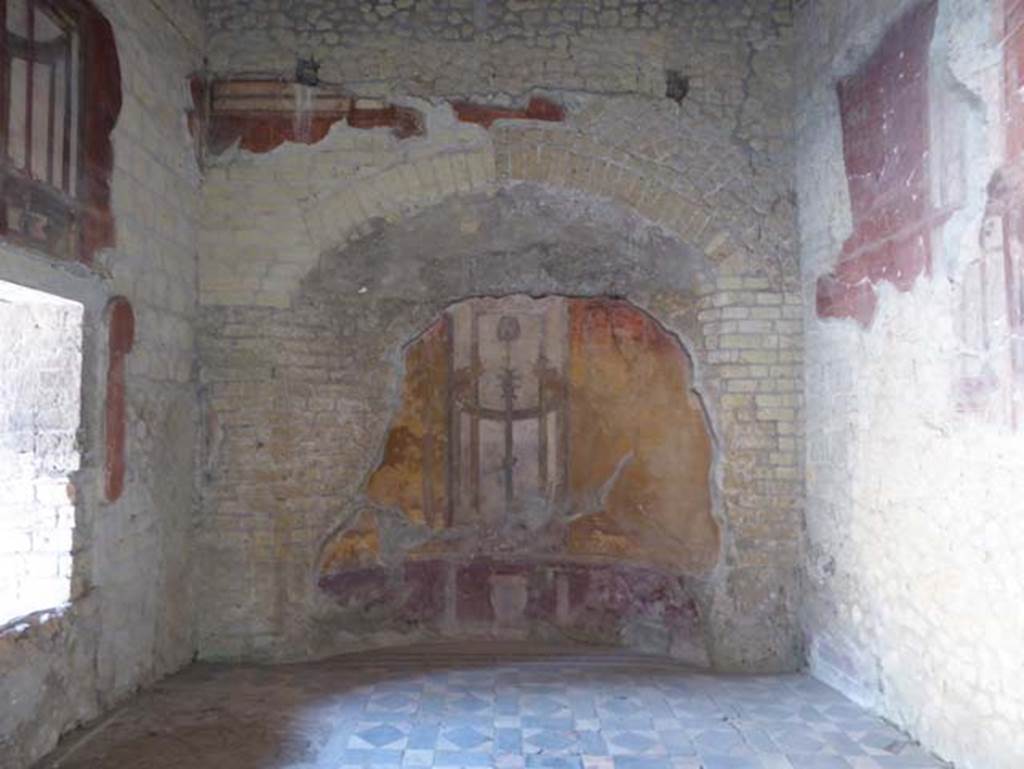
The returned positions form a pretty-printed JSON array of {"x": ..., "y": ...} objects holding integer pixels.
[
  {"x": 538, "y": 108},
  {"x": 884, "y": 112},
  {"x": 102, "y": 100},
  {"x": 121, "y": 322},
  {"x": 262, "y": 130}
]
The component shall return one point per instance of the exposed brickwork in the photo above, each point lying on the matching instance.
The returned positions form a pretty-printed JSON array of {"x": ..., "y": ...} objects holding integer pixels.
[
  {"x": 709, "y": 175},
  {"x": 380, "y": 291},
  {"x": 260, "y": 115},
  {"x": 698, "y": 190},
  {"x": 130, "y": 618},
  {"x": 319, "y": 261},
  {"x": 642, "y": 151},
  {"x": 735, "y": 54}
]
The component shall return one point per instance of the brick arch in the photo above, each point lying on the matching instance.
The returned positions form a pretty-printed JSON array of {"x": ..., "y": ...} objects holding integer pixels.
[
  {"x": 343, "y": 273},
  {"x": 674, "y": 169},
  {"x": 668, "y": 164},
  {"x": 523, "y": 238},
  {"x": 682, "y": 175}
]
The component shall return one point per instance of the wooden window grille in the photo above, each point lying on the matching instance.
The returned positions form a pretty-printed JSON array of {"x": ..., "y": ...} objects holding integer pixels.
[
  {"x": 41, "y": 123},
  {"x": 60, "y": 97}
]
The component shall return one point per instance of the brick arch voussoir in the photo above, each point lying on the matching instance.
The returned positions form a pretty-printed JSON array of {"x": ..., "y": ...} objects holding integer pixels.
[{"x": 658, "y": 193}]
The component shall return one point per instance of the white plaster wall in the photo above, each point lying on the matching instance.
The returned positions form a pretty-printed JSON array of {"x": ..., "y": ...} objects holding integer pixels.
[{"x": 914, "y": 600}]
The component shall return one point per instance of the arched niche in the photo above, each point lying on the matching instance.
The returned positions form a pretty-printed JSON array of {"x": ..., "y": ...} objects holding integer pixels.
[{"x": 546, "y": 475}]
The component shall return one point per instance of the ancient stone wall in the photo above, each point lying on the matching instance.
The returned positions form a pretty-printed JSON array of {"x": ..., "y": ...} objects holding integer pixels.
[
  {"x": 299, "y": 399},
  {"x": 733, "y": 54},
  {"x": 547, "y": 475},
  {"x": 910, "y": 255},
  {"x": 321, "y": 261},
  {"x": 130, "y": 620},
  {"x": 602, "y": 154}
]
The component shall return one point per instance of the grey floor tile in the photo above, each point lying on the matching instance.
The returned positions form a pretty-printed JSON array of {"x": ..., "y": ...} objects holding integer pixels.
[
  {"x": 817, "y": 761},
  {"x": 521, "y": 715},
  {"x": 642, "y": 762},
  {"x": 731, "y": 762}
]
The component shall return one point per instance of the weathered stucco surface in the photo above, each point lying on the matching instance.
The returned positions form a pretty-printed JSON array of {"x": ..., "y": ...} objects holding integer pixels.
[
  {"x": 131, "y": 619},
  {"x": 629, "y": 162},
  {"x": 320, "y": 262},
  {"x": 734, "y": 54},
  {"x": 314, "y": 385},
  {"x": 915, "y": 500}
]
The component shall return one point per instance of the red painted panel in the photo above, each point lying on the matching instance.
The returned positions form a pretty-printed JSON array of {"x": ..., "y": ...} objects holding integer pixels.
[
  {"x": 121, "y": 320},
  {"x": 1013, "y": 60},
  {"x": 835, "y": 299},
  {"x": 102, "y": 99},
  {"x": 405, "y": 121},
  {"x": 261, "y": 130},
  {"x": 538, "y": 108},
  {"x": 884, "y": 113}
]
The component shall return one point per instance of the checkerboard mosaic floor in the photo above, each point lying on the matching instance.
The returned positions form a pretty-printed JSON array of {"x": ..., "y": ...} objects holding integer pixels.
[{"x": 457, "y": 707}]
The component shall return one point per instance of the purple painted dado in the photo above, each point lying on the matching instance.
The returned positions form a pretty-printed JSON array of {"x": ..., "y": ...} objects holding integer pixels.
[{"x": 511, "y": 599}]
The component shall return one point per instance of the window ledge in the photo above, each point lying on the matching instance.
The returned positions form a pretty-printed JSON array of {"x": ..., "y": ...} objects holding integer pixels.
[{"x": 44, "y": 620}]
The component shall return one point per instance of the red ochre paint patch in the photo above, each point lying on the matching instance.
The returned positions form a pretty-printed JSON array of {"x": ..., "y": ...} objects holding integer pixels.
[
  {"x": 261, "y": 115},
  {"x": 884, "y": 114},
  {"x": 121, "y": 320},
  {"x": 538, "y": 108}
]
